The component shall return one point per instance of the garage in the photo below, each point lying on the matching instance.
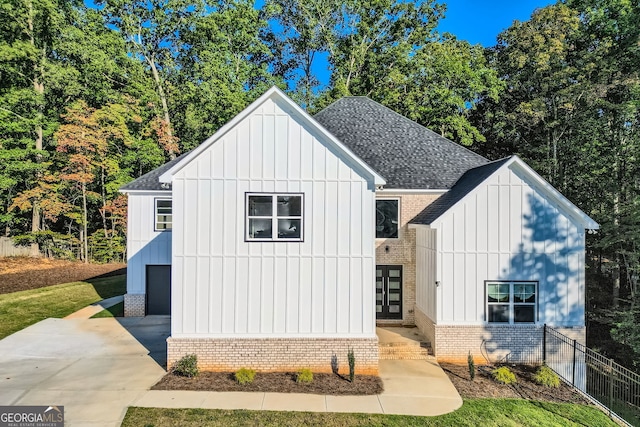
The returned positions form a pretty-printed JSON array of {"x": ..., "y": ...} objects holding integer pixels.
[{"x": 158, "y": 289}]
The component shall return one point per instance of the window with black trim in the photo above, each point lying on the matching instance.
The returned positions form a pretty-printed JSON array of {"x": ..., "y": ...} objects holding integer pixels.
[
  {"x": 164, "y": 215},
  {"x": 511, "y": 301},
  {"x": 274, "y": 217},
  {"x": 387, "y": 218}
]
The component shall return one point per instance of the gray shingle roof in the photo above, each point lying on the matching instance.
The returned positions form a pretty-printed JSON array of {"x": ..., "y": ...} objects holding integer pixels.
[
  {"x": 149, "y": 181},
  {"x": 406, "y": 154},
  {"x": 467, "y": 183}
]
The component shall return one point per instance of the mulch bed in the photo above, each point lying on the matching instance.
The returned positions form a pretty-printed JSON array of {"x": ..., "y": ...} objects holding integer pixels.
[
  {"x": 23, "y": 273},
  {"x": 526, "y": 388},
  {"x": 278, "y": 382}
]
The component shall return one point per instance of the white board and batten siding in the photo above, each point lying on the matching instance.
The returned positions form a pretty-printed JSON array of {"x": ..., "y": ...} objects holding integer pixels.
[
  {"x": 145, "y": 246},
  {"x": 223, "y": 285},
  {"x": 504, "y": 230}
]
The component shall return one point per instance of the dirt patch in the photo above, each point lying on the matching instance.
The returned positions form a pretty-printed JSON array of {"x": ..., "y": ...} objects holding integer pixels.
[
  {"x": 278, "y": 382},
  {"x": 526, "y": 388},
  {"x": 22, "y": 273}
]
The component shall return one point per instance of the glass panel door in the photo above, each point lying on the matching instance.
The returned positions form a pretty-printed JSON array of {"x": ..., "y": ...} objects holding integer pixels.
[{"x": 389, "y": 292}]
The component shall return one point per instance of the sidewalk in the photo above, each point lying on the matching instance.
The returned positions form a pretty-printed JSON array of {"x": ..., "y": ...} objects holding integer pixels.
[{"x": 411, "y": 387}]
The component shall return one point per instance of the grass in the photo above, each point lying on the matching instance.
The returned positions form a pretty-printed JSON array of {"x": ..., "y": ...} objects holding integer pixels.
[
  {"x": 21, "y": 309},
  {"x": 474, "y": 412},
  {"x": 113, "y": 311}
]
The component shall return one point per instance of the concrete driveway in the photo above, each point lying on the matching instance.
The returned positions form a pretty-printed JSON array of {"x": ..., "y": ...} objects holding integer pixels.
[{"x": 95, "y": 368}]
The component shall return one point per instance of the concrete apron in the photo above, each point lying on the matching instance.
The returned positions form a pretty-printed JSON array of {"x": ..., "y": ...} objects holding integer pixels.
[{"x": 95, "y": 368}]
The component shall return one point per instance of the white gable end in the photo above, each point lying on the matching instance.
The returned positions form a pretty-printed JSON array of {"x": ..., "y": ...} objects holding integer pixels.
[{"x": 224, "y": 285}]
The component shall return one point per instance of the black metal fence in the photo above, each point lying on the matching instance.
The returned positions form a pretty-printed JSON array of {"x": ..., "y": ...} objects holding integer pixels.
[{"x": 609, "y": 384}]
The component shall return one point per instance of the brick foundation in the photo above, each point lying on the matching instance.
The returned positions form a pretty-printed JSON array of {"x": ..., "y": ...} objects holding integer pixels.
[
  {"x": 134, "y": 305},
  {"x": 489, "y": 343},
  {"x": 276, "y": 354}
]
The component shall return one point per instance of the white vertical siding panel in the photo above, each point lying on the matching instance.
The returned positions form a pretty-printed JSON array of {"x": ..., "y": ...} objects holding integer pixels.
[
  {"x": 177, "y": 299},
  {"x": 242, "y": 295},
  {"x": 356, "y": 219},
  {"x": 306, "y": 302},
  {"x": 319, "y": 153},
  {"x": 481, "y": 275},
  {"x": 190, "y": 218},
  {"x": 202, "y": 295},
  {"x": 343, "y": 295},
  {"x": 313, "y": 215},
  {"x": 504, "y": 217},
  {"x": 368, "y": 296},
  {"x": 232, "y": 232},
  {"x": 215, "y": 295},
  {"x": 471, "y": 288},
  {"x": 458, "y": 228},
  {"x": 355, "y": 296},
  {"x": 255, "y": 294},
  {"x": 282, "y": 149},
  {"x": 228, "y": 274},
  {"x": 482, "y": 220},
  {"x": 344, "y": 217},
  {"x": 230, "y": 153},
  {"x": 318, "y": 206},
  {"x": 493, "y": 224},
  {"x": 470, "y": 228},
  {"x": 331, "y": 167},
  {"x": 243, "y": 150},
  {"x": 177, "y": 211},
  {"x": 218, "y": 227},
  {"x": 317, "y": 295},
  {"x": 189, "y": 295},
  {"x": 294, "y": 147},
  {"x": 204, "y": 165},
  {"x": 280, "y": 295},
  {"x": 515, "y": 218},
  {"x": 256, "y": 151},
  {"x": 331, "y": 295},
  {"x": 268, "y": 147},
  {"x": 204, "y": 217},
  {"x": 332, "y": 215},
  {"x": 267, "y": 299},
  {"x": 447, "y": 234},
  {"x": 447, "y": 287},
  {"x": 307, "y": 156},
  {"x": 293, "y": 294},
  {"x": 459, "y": 280}
]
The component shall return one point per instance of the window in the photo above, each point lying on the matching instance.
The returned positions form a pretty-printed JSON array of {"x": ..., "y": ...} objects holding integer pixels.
[
  {"x": 163, "y": 214},
  {"x": 274, "y": 217},
  {"x": 511, "y": 302},
  {"x": 387, "y": 214}
]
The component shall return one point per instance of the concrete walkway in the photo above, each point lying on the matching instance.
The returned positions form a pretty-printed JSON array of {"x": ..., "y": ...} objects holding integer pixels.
[
  {"x": 411, "y": 387},
  {"x": 96, "y": 368}
]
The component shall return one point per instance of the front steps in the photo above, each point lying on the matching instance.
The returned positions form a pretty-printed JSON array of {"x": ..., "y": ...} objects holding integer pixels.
[{"x": 398, "y": 343}]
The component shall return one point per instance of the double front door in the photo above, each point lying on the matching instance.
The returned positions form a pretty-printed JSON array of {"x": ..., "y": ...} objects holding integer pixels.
[{"x": 389, "y": 292}]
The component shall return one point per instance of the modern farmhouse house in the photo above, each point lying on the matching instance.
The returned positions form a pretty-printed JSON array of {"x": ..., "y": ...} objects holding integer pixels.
[{"x": 282, "y": 240}]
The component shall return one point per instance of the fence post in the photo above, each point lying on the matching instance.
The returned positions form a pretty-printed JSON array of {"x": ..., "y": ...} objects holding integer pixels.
[
  {"x": 573, "y": 375},
  {"x": 610, "y": 386},
  {"x": 544, "y": 344}
]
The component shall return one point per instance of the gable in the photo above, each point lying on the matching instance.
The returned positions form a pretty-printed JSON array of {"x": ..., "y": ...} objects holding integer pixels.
[
  {"x": 511, "y": 171},
  {"x": 278, "y": 112}
]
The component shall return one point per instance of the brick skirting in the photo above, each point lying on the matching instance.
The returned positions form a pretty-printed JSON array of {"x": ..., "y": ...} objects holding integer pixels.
[
  {"x": 489, "y": 343},
  {"x": 276, "y": 354},
  {"x": 134, "y": 305}
]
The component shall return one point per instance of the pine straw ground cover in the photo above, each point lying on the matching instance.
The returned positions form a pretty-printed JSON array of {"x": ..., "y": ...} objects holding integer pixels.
[{"x": 279, "y": 382}]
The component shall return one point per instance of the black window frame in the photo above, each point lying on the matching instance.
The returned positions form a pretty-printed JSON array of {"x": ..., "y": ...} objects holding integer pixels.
[
  {"x": 511, "y": 303},
  {"x": 274, "y": 216},
  {"x": 156, "y": 214},
  {"x": 378, "y": 225}
]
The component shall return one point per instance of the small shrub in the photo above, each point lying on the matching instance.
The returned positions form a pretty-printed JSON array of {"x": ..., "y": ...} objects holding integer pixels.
[
  {"x": 245, "y": 376},
  {"x": 472, "y": 367},
  {"x": 352, "y": 364},
  {"x": 187, "y": 366},
  {"x": 305, "y": 376},
  {"x": 546, "y": 377},
  {"x": 504, "y": 375}
]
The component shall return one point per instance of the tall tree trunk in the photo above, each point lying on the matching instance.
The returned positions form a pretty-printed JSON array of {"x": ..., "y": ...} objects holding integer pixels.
[
  {"x": 163, "y": 100},
  {"x": 85, "y": 247},
  {"x": 38, "y": 86}
]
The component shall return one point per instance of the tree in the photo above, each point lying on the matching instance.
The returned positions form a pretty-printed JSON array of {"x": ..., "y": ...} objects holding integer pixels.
[{"x": 152, "y": 31}]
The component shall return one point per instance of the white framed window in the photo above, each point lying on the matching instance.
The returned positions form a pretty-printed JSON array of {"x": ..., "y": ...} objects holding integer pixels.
[
  {"x": 387, "y": 218},
  {"x": 511, "y": 302},
  {"x": 163, "y": 214},
  {"x": 274, "y": 217}
]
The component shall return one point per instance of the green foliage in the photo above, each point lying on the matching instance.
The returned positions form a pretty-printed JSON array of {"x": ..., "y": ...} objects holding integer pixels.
[
  {"x": 245, "y": 376},
  {"x": 187, "y": 366},
  {"x": 352, "y": 364},
  {"x": 504, "y": 375},
  {"x": 546, "y": 377},
  {"x": 304, "y": 376},
  {"x": 472, "y": 366}
]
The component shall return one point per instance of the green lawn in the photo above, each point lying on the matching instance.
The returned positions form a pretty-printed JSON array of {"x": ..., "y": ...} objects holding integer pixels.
[
  {"x": 21, "y": 309},
  {"x": 474, "y": 412},
  {"x": 113, "y": 311}
]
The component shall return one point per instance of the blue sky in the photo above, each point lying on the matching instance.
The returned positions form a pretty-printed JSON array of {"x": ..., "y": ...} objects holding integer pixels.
[{"x": 480, "y": 21}]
